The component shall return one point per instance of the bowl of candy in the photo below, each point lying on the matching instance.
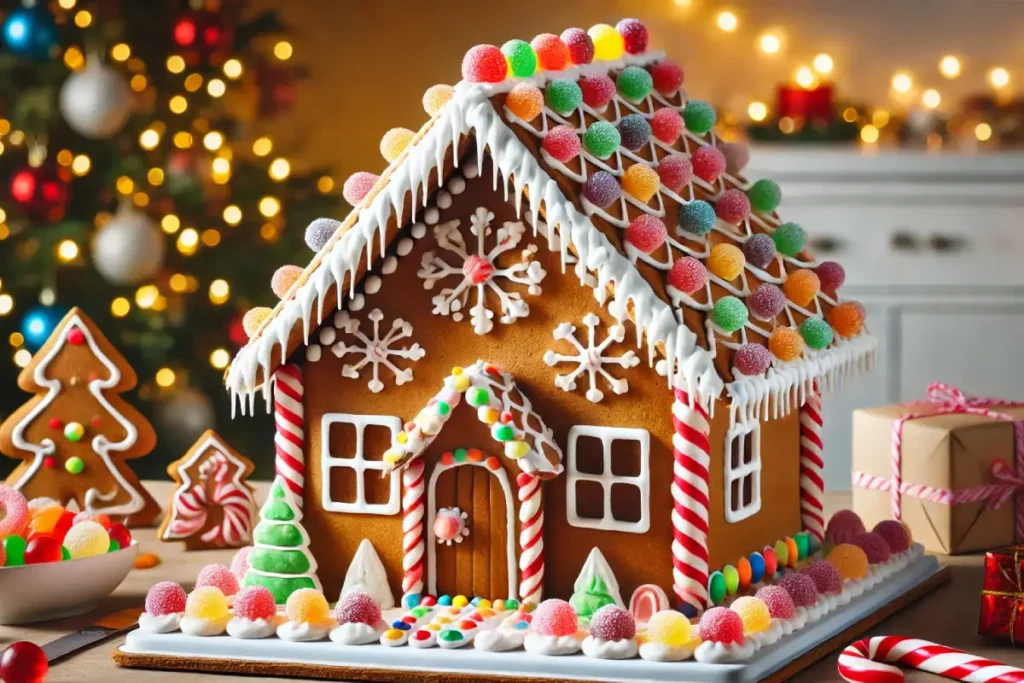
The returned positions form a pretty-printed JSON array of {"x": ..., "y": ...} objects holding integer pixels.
[{"x": 55, "y": 563}]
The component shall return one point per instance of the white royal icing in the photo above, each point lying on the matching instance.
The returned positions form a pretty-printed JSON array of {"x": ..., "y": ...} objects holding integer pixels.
[
  {"x": 501, "y": 639},
  {"x": 555, "y": 646},
  {"x": 303, "y": 632},
  {"x": 366, "y": 573},
  {"x": 769, "y": 636},
  {"x": 357, "y": 633},
  {"x": 609, "y": 649},
  {"x": 164, "y": 623},
  {"x": 659, "y": 652},
  {"x": 723, "y": 653},
  {"x": 198, "y": 626},
  {"x": 252, "y": 629}
]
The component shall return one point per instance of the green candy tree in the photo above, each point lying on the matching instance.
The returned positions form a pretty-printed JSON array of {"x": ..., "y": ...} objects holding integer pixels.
[
  {"x": 595, "y": 587},
  {"x": 280, "y": 559}
]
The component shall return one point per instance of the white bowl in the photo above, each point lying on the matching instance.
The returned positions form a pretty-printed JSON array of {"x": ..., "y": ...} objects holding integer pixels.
[{"x": 37, "y": 592}]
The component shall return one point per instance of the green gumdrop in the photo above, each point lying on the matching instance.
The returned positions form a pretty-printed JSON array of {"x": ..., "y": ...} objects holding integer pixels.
[
  {"x": 782, "y": 553},
  {"x": 602, "y": 139},
  {"x": 504, "y": 433},
  {"x": 816, "y": 333},
  {"x": 277, "y": 511},
  {"x": 764, "y": 195},
  {"x": 789, "y": 239},
  {"x": 479, "y": 396},
  {"x": 280, "y": 587},
  {"x": 14, "y": 548},
  {"x": 563, "y": 96},
  {"x": 699, "y": 117},
  {"x": 803, "y": 544},
  {"x": 716, "y": 587},
  {"x": 732, "y": 579},
  {"x": 522, "y": 61},
  {"x": 729, "y": 313},
  {"x": 443, "y": 408},
  {"x": 460, "y": 454},
  {"x": 114, "y": 546},
  {"x": 281, "y": 535},
  {"x": 634, "y": 83},
  {"x": 697, "y": 217},
  {"x": 274, "y": 561},
  {"x": 65, "y": 554}
]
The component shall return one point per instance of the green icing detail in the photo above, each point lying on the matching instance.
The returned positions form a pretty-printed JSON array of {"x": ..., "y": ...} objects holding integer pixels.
[
  {"x": 277, "y": 491},
  {"x": 279, "y": 587},
  {"x": 279, "y": 561},
  {"x": 450, "y": 636},
  {"x": 592, "y": 598},
  {"x": 504, "y": 433},
  {"x": 420, "y": 612},
  {"x": 281, "y": 535},
  {"x": 479, "y": 397},
  {"x": 443, "y": 408},
  {"x": 277, "y": 511},
  {"x": 460, "y": 454}
]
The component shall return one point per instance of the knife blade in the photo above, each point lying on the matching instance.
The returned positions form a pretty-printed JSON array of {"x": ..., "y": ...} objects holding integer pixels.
[{"x": 104, "y": 627}]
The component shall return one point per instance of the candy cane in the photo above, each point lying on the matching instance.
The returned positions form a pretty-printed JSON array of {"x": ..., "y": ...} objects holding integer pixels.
[
  {"x": 691, "y": 454},
  {"x": 188, "y": 513},
  {"x": 531, "y": 538},
  {"x": 289, "y": 423},
  {"x": 812, "y": 465},
  {"x": 236, "y": 503},
  {"x": 413, "y": 545},
  {"x": 862, "y": 662}
]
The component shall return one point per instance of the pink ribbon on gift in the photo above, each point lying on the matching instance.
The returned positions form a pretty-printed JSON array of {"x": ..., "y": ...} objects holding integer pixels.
[{"x": 944, "y": 399}]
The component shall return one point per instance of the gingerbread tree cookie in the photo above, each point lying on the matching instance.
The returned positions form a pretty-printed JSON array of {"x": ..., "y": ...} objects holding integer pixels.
[
  {"x": 212, "y": 505},
  {"x": 76, "y": 434}
]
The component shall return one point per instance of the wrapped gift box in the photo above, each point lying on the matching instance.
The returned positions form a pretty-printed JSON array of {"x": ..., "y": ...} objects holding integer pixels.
[{"x": 1002, "y": 595}]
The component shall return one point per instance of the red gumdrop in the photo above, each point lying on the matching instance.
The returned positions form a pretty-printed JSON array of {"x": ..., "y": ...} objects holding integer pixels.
[
  {"x": 733, "y": 206},
  {"x": 598, "y": 90},
  {"x": 42, "y": 548},
  {"x": 675, "y": 172},
  {"x": 634, "y": 35},
  {"x": 780, "y": 605},
  {"x": 63, "y": 525},
  {"x": 612, "y": 623},
  {"x": 255, "y": 602},
  {"x": 646, "y": 233},
  {"x": 555, "y": 617},
  {"x": 218, "y": 576},
  {"x": 165, "y": 597},
  {"x": 667, "y": 76},
  {"x": 825, "y": 576},
  {"x": 894, "y": 534},
  {"x": 580, "y": 44},
  {"x": 844, "y": 526},
  {"x": 831, "y": 275},
  {"x": 23, "y": 662},
  {"x": 120, "y": 533},
  {"x": 766, "y": 302},
  {"x": 801, "y": 589},
  {"x": 771, "y": 561},
  {"x": 357, "y": 607},
  {"x": 688, "y": 275},
  {"x": 552, "y": 53},
  {"x": 752, "y": 360},
  {"x": 873, "y": 545},
  {"x": 484, "y": 64},
  {"x": 562, "y": 143},
  {"x": 666, "y": 125},
  {"x": 240, "y": 562},
  {"x": 721, "y": 625},
  {"x": 357, "y": 186},
  {"x": 708, "y": 163}
]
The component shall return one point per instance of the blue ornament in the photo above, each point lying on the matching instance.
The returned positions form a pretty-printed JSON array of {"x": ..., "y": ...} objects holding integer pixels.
[
  {"x": 30, "y": 32},
  {"x": 756, "y": 567},
  {"x": 38, "y": 324}
]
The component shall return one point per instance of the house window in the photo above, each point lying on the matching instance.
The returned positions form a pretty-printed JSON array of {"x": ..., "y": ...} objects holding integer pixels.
[
  {"x": 608, "y": 478},
  {"x": 742, "y": 471},
  {"x": 352, "y": 463}
]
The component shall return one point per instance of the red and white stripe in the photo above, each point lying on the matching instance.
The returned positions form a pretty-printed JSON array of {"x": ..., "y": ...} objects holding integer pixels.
[
  {"x": 188, "y": 513},
  {"x": 413, "y": 543},
  {"x": 531, "y": 538},
  {"x": 691, "y": 454},
  {"x": 290, "y": 429},
  {"x": 871, "y": 661},
  {"x": 812, "y": 466}
]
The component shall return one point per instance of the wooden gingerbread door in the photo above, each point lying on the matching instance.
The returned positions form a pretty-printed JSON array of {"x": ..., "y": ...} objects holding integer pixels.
[{"x": 471, "y": 544}]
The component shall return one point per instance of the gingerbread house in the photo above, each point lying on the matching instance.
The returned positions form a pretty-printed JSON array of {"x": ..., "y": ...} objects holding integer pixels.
[{"x": 561, "y": 319}]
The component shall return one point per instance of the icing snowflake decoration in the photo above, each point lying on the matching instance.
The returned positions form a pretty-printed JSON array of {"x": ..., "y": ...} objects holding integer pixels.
[
  {"x": 590, "y": 358},
  {"x": 478, "y": 271},
  {"x": 378, "y": 350},
  {"x": 450, "y": 525}
]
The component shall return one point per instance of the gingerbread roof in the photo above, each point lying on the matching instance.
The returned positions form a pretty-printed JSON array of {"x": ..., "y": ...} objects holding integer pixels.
[{"x": 710, "y": 281}]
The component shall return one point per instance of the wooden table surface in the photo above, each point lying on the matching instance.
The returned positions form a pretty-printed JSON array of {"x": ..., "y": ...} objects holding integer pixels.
[{"x": 949, "y": 616}]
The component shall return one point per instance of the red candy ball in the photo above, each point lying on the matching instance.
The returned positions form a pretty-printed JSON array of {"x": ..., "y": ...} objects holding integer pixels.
[
  {"x": 825, "y": 576},
  {"x": 23, "y": 662},
  {"x": 844, "y": 526},
  {"x": 357, "y": 607},
  {"x": 708, "y": 163},
  {"x": 612, "y": 623},
  {"x": 120, "y": 533},
  {"x": 562, "y": 143},
  {"x": 634, "y": 34},
  {"x": 894, "y": 534},
  {"x": 552, "y": 53},
  {"x": 484, "y": 64},
  {"x": 255, "y": 602},
  {"x": 666, "y": 125},
  {"x": 733, "y": 206},
  {"x": 721, "y": 625},
  {"x": 165, "y": 597},
  {"x": 801, "y": 589},
  {"x": 580, "y": 44},
  {"x": 555, "y": 617},
  {"x": 832, "y": 276},
  {"x": 675, "y": 172},
  {"x": 873, "y": 545},
  {"x": 63, "y": 525},
  {"x": 752, "y": 360},
  {"x": 42, "y": 548},
  {"x": 780, "y": 605},
  {"x": 598, "y": 90},
  {"x": 357, "y": 186},
  {"x": 667, "y": 77},
  {"x": 646, "y": 233},
  {"x": 218, "y": 576},
  {"x": 688, "y": 275}
]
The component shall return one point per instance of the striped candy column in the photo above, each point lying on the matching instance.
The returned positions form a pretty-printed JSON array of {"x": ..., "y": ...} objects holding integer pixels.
[
  {"x": 290, "y": 429},
  {"x": 531, "y": 538},
  {"x": 691, "y": 448},
  {"x": 413, "y": 544},
  {"x": 871, "y": 661},
  {"x": 812, "y": 484}
]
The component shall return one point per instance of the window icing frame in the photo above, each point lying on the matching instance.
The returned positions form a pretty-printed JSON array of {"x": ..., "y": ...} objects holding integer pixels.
[
  {"x": 358, "y": 463},
  {"x": 642, "y": 481}
]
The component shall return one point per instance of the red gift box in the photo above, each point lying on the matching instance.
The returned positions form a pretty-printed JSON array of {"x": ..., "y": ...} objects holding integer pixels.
[{"x": 1002, "y": 595}]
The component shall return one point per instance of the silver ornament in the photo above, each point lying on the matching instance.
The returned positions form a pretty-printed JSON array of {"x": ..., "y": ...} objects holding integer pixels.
[
  {"x": 95, "y": 101},
  {"x": 128, "y": 249}
]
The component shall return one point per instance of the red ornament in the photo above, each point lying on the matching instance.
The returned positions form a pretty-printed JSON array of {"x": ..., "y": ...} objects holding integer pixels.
[
  {"x": 201, "y": 31},
  {"x": 1001, "y": 592},
  {"x": 23, "y": 662},
  {"x": 277, "y": 88},
  {"x": 797, "y": 102},
  {"x": 56, "y": 424},
  {"x": 49, "y": 462},
  {"x": 42, "y": 192},
  {"x": 42, "y": 548},
  {"x": 76, "y": 337},
  {"x": 236, "y": 332},
  {"x": 119, "y": 533}
]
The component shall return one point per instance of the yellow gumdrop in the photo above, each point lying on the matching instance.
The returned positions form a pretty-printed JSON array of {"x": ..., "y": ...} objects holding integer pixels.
[
  {"x": 753, "y": 612},
  {"x": 436, "y": 97},
  {"x": 484, "y": 604},
  {"x": 849, "y": 560},
  {"x": 608, "y": 43},
  {"x": 641, "y": 181},
  {"x": 516, "y": 449},
  {"x": 86, "y": 539},
  {"x": 394, "y": 143},
  {"x": 307, "y": 605},
  {"x": 726, "y": 261},
  {"x": 206, "y": 602},
  {"x": 460, "y": 601},
  {"x": 253, "y": 318},
  {"x": 461, "y": 383},
  {"x": 669, "y": 627}
]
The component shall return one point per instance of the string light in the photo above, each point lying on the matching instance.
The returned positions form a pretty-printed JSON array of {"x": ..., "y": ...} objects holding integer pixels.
[
  {"x": 902, "y": 82},
  {"x": 999, "y": 77},
  {"x": 949, "y": 66},
  {"x": 232, "y": 215},
  {"x": 269, "y": 232},
  {"x": 175, "y": 64},
  {"x": 869, "y": 134},
  {"x": 823, "y": 63},
  {"x": 47, "y": 296},
  {"x": 165, "y": 377},
  {"x": 221, "y": 170},
  {"x": 261, "y": 147},
  {"x": 727, "y": 21},
  {"x": 233, "y": 69},
  {"x": 155, "y": 176},
  {"x": 73, "y": 58},
  {"x": 219, "y": 358},
  {"x": 849, "y": 115},
  {"x": 325, "y": 184},
  {"x": 65, "y": 157},
  {"x": 83, "y": 18},
  {"x": 270, "y": 206},
  {"x": 121, "y": 52},
  {"x": 120, "y": 307},
  {"x": 770, "y": 43},
  {"x": 183, "y": 139},
  {"x": 170, "y": 223},
  {"x": 178, "y": 283},
  {"x": 6, "y": 304},
  {"x": 805, "y": 77},
  {"x": 80, "y": 165},
  {"x": 193, "y": 82},
  {"x": 880, "y": 118},
  {"x": 125, "y": 185},
  {"x": 16, "y": 339},
  {"x": 141, "y": 199},
  {"x": 149, "y": 139},
  {"x": 138, "y": 83},
  {"x": 188, "y": 240},
  {"x": 215, "y": 87},
  {"x": 283, "y": 50},
  {"x": 757, "y": 111},
  {"x": 67, "y": 251},
  {"x": 146, "y": 296},
  {"x": 213, "y": 141},
  {"x": 17, "y": 137},
  {"x": 66, "y": 4},
  {"x": 983, "y": 131},
  {"x": 219, "y": 292},
  {"x": 931, "y": 98},
  {"x": 210, "y": 237},
  {"x": 279, "y": 169},
  {"x": 178, "y": 104},
  {"x": 22, "y": 357}
]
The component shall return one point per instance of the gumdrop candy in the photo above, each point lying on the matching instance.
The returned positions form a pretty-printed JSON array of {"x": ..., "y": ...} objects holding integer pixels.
[
  {"x": 357, "y": 186},
  {"x": 23, "y": 662},
  {"x": 753, "y": 613},
  {"x": 757, "y": 567},
  {"x": 612, "y": 623},
  {"x": 782, "y": 553},
  {"x": 667, "y": 76},
  {"x": 435, "y": 97},
  {"x": 522, "y": 61},
  {"x": 721, "y": 625},
  {"x": 562, "y": 143},
  {"x": 283, "y": 279},
  {"x": 732, "y": 579},
  {"x": 165, "y": 597},
  {"x": 16, "y": 516},
  {"x": 801, "y": 589},
  {"x": 634, "y": 35},
  {"x": 646, "y": 233},
  {"x": 240, "y": 563},
  {"x": 552, "y": 53},
  {"x": 641, "y": 181},
  {"x": 357, "y": 607},
  {"x": 759, "y": 250},
  {"x": 307, "y": 605},
  {"x": 801, "y": 286},
  {"x": 786, "y": 344},
  {"x": 726, "y": 261},
  {"x": 847, "y": 319},
  {"x": 580, "y": 45},
  {"x": 667, "y": 124},
  {"x": 525, "y": 101},
  {"x": 844, "y": 526},
  {"x": 789, "y": 239},
  {"x": 816, "y": 333},
  {"x": 832, "y": 276},
  {"x": 697, "y": 217},
  {"x": 669, "y": 627},
  {"x": 825, "y": 576},
  {"x": 555, "y": 617},
  {"x": 206, "y": 602},
  {"x": 675, "y": 172},
  {"x": 634, "y": 131},
  {"x": 729, "y": 313},
  {"x": 602, "y": 189},
  {"x": 86, "y": 539},
  {"x": 780, "y": 605},
  {"x": 63, "y": 525},
  {"x": 319, "y": 232},
  {"x": 254, "y": 603},
  {"x": 737, "y": 156},
  {"x": 100, "y": 518},
  {"x": 771, "y": 562},
  {"x": 608, "y": 43},
  {"x": 708, "y": 163},
  {"x": 766, "y": 302},
  {"x": 484, "y": 64},
  {"x": 732, "y": 207},
  {"x": 765, "y": 196},
  {"x": 744, "y": 570},
  {"x": 634, "y": 83},
  {"x": 602, "y": 139},
  {"x": 220, "y": 576},
  {"x": 598, "y": 90},
  {"x": 394, "y": 143},
  {"x": 717, "y": 589},
  {"x": 14, "y": 551},
  {"x": 563, "y": 96},
  {"x": 874, "y": 546},
  {"x": 41, "y": 549},
  {"x": 44, "y": 519},
  {"x": 688, "y": 275},
  {"x": 894, "y": 534},
  {"x": 850, "y": 560},
  {"x": 752, "y": 360},
  {"x": 699, "y": 117}
]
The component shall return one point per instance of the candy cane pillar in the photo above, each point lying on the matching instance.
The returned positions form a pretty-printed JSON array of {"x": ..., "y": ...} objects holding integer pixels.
[
  {"x": 691, "y": 453},
  {"x": 290, "y": 429},
  {"x": 413, "y": 545},
  {"x": 531, "y": 538},
  {"x": 812, "y": 485}
]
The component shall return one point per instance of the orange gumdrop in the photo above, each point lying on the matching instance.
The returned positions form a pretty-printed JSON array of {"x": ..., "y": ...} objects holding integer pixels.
[
  {"x": 726, "y": 261},
  {"x": 847, "y": 319},
  {"x": 801, "y": 287},
  {"x": 786, "y": 344},
  {"x": 525, "y": 101},
  {"x": 641, "y": 181}
]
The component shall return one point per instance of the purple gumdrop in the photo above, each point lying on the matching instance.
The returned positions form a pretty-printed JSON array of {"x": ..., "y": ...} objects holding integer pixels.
[
  {"x": 766, "y": 302},
  {"x": 752, "y": 360},
  {"x": 634, "y": 131},
  {"x": 759, "y": 250},
  {"x": 602, "y": 189}
]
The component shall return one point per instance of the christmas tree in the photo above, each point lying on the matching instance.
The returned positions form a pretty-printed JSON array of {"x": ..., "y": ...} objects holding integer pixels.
[
  {"x": 595, "y": 587},
  {"x": 143, "y": 187},
  {"x": 76, "y": 433},
  {"x": 280, "y": 559}
]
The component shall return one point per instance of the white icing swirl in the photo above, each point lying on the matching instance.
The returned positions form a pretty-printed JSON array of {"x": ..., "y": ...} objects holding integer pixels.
[
  {"x": 710, "y": 652},
  {"x": 769, "y": 636},
  {"x": 357, "y": 633},
  {"x": 609, "y": 649},
  {"x": 659, "y": 652},
  {"x": 198, "y": 626},
  {"x": 500, "y": 640},
  {"x": 554, "y": 646},
  {"x": 303, "y": 632},
  {"x": 252, "y": 629},
  {"x": 164, "y": 623}
]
